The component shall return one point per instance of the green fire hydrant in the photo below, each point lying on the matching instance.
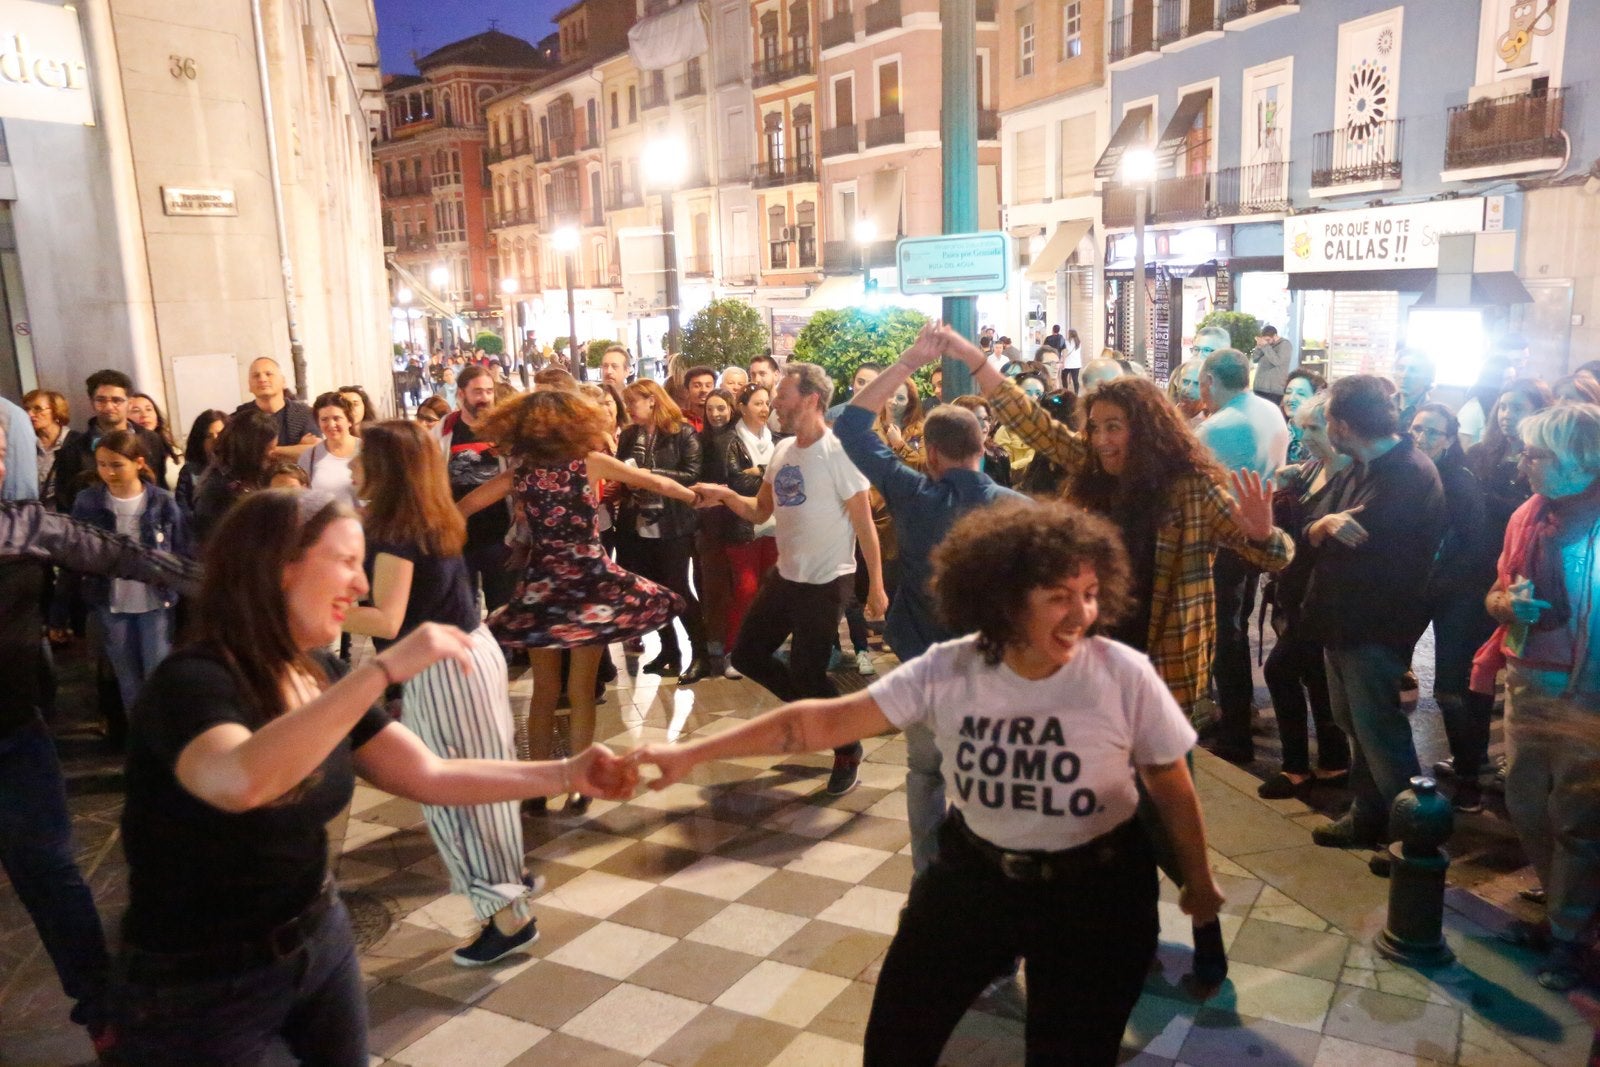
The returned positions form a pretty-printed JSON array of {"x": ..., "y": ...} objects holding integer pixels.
[{"x": 1420, "y": 821}]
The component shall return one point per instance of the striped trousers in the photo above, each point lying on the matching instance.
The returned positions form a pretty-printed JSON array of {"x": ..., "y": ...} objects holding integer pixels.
[{"x": 467, "y": 715}]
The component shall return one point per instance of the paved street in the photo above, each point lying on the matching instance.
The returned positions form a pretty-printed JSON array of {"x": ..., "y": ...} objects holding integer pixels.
[{"x": 741, "y": 919}]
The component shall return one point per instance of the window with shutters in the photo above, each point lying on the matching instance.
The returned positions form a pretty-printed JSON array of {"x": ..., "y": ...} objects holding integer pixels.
[
  {"x": 615, "y": 113},
  {"x": 777, "y": 246},
  {"x": 844, "y": 102},
  {"x": 1077, "y": 156},
  {"x": 1029, "y": 184},
  {"x": 1025, "y": 40},
  {"x": 806, "y": 234},
  {"x": 804, "y": 141},
  {"x": 1072, "y": 29},
  {"x": 889, "y": 88}
]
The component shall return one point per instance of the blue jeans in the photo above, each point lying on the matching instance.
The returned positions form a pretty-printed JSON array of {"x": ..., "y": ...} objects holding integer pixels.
[
  {"x": 1364, "y": 689},
  {"x": 925, "y": 801},
  {"x": 310, "y": 1000},
  {"x": 36, "y": 851},
  {"x": 134, "y": 645}
]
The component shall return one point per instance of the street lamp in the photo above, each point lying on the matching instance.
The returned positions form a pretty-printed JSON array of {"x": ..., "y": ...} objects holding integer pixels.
[
  {"x": 664, "y": 163},
  {"x": 565, "y": 241},
  {"x": 866, "y": 231},
  {"x": 1138, "y": 168}
]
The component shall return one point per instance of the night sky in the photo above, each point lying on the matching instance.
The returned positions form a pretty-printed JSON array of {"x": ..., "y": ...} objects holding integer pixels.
[{"x": 424, "y": 25}]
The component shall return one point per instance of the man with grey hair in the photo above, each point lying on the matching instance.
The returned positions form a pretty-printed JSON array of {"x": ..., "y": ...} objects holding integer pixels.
[
  {"x": 1243, "y": 431},
  {"x": 924, "y": 505},
  {"x": 819, "y": 501},
  {"x": 1099, "y": 371},
  {"x": 1211, "y": 339}
]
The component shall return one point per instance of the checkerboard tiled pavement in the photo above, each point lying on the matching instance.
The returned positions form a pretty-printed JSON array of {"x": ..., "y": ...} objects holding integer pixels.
[{"x": 740, "y": 918}]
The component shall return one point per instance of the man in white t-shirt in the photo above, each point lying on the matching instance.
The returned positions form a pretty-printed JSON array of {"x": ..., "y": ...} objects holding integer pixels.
[{"x": 819, "y": 500}]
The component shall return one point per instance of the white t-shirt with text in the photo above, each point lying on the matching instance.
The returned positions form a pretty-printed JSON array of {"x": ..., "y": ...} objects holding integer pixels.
[
  {"x": 1040, "y": 765},
  {"x": 816, "y": 543}
]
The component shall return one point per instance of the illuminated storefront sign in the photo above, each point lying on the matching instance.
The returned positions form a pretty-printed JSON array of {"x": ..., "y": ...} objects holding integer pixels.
[{"x": 1402, "y": 237}]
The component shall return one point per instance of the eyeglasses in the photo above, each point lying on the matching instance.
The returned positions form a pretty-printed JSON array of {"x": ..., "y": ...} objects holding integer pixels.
[
  {"x": 1537, "y": 455},
  {"x": 1426, "y": 433}
]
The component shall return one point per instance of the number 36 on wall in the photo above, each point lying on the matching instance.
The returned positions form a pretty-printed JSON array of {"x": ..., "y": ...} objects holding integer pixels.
[{"x": 181, "y": 67}]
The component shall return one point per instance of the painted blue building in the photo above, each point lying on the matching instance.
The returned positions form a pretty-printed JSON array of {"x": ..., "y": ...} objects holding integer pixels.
[{"x": 1311, "y": 157}]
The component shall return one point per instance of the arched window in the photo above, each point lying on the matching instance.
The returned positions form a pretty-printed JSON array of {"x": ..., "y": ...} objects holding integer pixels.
[
  {"x": 771, "y": 47},
  {"x": 800, "y": 28}
]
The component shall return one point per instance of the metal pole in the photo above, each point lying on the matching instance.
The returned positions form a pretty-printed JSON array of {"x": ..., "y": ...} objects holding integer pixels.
[
  {"x": 1138, "y": 276},
  {"x": 958, "y": 131},
  {"x": 669, "y": 260},
  {"x": 291, "y": 306},
  {"x": 572, "y": 325}
]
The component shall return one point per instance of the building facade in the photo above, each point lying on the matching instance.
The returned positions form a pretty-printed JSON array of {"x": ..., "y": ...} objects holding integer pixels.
[
  {"x": 1310, "y": 156},
  {"x": 222, "y": 204}
]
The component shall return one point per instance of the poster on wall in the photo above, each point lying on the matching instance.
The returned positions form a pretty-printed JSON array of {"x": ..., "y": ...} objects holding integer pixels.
[
  {"x": 1521, "y": 38},
  {"x": 1366, "y": 90},
  {"x": 1266, "y": 131}
]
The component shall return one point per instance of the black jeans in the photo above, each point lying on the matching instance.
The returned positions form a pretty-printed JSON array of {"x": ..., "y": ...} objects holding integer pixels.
[
  {"x": 1235, "y": 583},
  {"x": 809, "y": 616},
  {"x": 1297, "y": 677},
  {"x": 1088, "y": 938},
  {"x": 666, "y": 560},
  {"x": 311, "y": 1000},
  {"x": 1460, "y": 626},
  {"x": 487, "y": 563}
]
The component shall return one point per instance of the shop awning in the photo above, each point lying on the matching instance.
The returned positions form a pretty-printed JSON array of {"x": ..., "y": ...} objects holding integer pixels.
[
  {"x": 1062, "y": 244},
  {"x": 839, "y": 291},
  {"x": 1499, "y": 288},
  {"x": 423, "y": 293},
  {"x": 1178, "y": 127},
  {"x": 1393, "y": 281},
  {"x": 1129, "y": 133},
  {"x": 888, "y": 197}
]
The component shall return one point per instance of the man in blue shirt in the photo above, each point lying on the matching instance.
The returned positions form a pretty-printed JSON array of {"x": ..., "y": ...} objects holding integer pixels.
[
  {"x": 22, "y": 473},
  {"x": 923, "y": 506}
]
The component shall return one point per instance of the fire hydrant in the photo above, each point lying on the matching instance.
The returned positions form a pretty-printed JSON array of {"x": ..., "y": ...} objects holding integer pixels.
[{"x": 1420, "y": 821}]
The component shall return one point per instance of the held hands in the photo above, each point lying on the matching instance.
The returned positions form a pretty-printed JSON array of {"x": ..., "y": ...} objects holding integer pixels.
[
  {"x": 955, "y": 346},
  {"x": 673, "y": 761},
  {"x": 1251, "y": 503},
  {"x": 1523, "y": 605},
  {"x": 1342, "y": 527},
  {"x": 1201, "y": 900},
  {"x": 599, "y": 772},
  {"x": 709, "y": 494},
  {"x": 925, "y": 349},
  {"x": 428, "y": 644}
]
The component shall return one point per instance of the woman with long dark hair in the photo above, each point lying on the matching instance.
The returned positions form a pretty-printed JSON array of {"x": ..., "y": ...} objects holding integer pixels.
[
  {"x": 198, "y": 449},
  {"x": 655, "y": 535},
  {"x": 715, "y": 575},
  {"x": 571, "y": 596},
  {"x": 752, "y": 550},
  {"x": 414, "y": 539},
  {"x": 239, "y": 465},
  {"x": 362, "y": 411},
  {"x": 243, "y": 746}
]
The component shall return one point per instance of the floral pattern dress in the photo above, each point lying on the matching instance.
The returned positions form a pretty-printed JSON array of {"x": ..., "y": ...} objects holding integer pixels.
[{"x": 571, "y": 593}]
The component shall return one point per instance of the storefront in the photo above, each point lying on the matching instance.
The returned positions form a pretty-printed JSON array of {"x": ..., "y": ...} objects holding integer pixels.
[
  {"x": 1356, "y": 277},
  {"x": 1186, "y": 278}
]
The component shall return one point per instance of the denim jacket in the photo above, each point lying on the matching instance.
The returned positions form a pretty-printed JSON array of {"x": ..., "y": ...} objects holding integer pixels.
[{"x": 161, "y": 526}]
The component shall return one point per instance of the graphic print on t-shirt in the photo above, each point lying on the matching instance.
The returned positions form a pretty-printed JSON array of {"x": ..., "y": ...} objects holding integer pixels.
[
  {"x": 1021, "y": 764},
  {"x": 789, "y": 486}
]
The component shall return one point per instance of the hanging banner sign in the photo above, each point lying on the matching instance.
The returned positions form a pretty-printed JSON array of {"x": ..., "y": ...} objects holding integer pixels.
[
  {"x": 1402, "y": 237},
  {"x": 43, "y": 73}
]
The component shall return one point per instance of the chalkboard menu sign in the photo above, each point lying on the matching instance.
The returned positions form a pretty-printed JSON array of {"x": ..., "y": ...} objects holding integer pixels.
[{"x": 1161, "y": 333}]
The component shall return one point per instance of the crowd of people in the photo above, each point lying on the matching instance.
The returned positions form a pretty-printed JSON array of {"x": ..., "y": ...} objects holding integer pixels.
[{"x": 1065, "y": 563}]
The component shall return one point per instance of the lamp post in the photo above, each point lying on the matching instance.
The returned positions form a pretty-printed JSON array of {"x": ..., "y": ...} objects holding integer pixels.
[
  {"x": 1138, "y": 167},
  {"x": 439, "y": 277},
  {"x": 866, "y": 231},
  {"x": 565, "y": 241},
  {"x": 664, "y": 160}
]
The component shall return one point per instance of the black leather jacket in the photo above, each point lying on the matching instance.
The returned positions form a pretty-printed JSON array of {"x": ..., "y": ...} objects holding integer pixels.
[
  {"x": 675, "y": 456},
  {"x": 736, "y": 460}
]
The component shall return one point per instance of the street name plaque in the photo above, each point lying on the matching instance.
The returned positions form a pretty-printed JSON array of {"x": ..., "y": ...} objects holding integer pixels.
[{"x": 955, "y": 265}]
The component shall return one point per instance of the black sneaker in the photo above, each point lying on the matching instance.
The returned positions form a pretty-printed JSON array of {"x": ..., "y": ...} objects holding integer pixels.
[
  {"x": 845, "y": 774},
  {"x": 491, "y": 946},
  {"x": 1469, "y": 797}
]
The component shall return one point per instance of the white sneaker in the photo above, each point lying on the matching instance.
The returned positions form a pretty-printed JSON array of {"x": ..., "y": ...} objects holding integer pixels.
[
  {"x": 864, "y": 663},
  {"x": 731, "y": 673}
]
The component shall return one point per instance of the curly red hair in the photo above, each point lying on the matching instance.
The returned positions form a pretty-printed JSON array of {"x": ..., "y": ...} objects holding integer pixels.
[{"x": 547, "y": 427}]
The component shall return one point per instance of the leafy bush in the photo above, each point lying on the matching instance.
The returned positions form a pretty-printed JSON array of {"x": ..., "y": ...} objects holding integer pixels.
[
  {"x": 595, "y": 349},
  {"x": 560, "y": 345},
  {"x": 840, "y": 341},
  {"x": 725, "y": 333},
  {"x": 489, "y": 342},
  {"x": 1242, "y": 327}
]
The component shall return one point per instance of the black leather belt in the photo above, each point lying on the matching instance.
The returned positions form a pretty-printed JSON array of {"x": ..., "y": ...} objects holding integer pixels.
[
  {"x": 1032, "y": 866},
  {"x": 278, "y": 943}
]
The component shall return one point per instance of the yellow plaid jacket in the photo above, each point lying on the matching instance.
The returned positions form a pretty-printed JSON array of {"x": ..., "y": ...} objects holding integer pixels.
[{"x": 1199, "y": 521}]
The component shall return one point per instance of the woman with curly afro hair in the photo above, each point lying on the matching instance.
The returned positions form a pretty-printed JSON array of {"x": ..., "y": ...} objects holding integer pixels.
[
  {"x": 571, "y": 596},
  {"x": 1044, "y": 727}
]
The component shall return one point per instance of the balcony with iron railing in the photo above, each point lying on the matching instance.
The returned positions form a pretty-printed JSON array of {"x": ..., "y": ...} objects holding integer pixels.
[
  {"x": 1180, "y": 23},
  {"x": 409, "y": 187},
  {"x": 1258, "y": 189},
  {"x": 1247, "y": 13},
  {"x": 688, "y": 84},
  {"x": 563, "y": 145},
  {"x": 841, "y": 141},
  {"x": 417, "y": 242},
  {"x": 1367, "y": 155},
  {"x": 1182, "y": 198},
  {"x": 740, "y": 270},
  {"x": 1117, "y": 205},
  {"x": 541, "y": 152},
  {"x": 883, "y": 15},
  {"x": 654, "y": 96},
  {"x": 844, "y": 257},
  {"x": 1131, "y": 35},
  {"x": 1506, "y": 130},
  {"x": 782, "y": 172},
  {"x": 837, "y": 30},
  {"x": 886, "y": 129},
  {"x": 696, "y": 266},
  {"x": 622, "y": 199},
  {"x": 770, "y": 70}
]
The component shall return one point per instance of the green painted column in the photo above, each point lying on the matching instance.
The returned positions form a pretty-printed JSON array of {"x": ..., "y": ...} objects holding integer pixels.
[{"x": 958, "y": 132}]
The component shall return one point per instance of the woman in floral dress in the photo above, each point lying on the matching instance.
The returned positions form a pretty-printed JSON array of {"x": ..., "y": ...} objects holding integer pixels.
[{"x": 571, "y": 596}]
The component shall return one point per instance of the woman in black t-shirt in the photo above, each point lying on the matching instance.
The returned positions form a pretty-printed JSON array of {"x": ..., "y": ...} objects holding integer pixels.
[
  {"x": 414, "y": 541},
  {"x": 243, "y": 746}
]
